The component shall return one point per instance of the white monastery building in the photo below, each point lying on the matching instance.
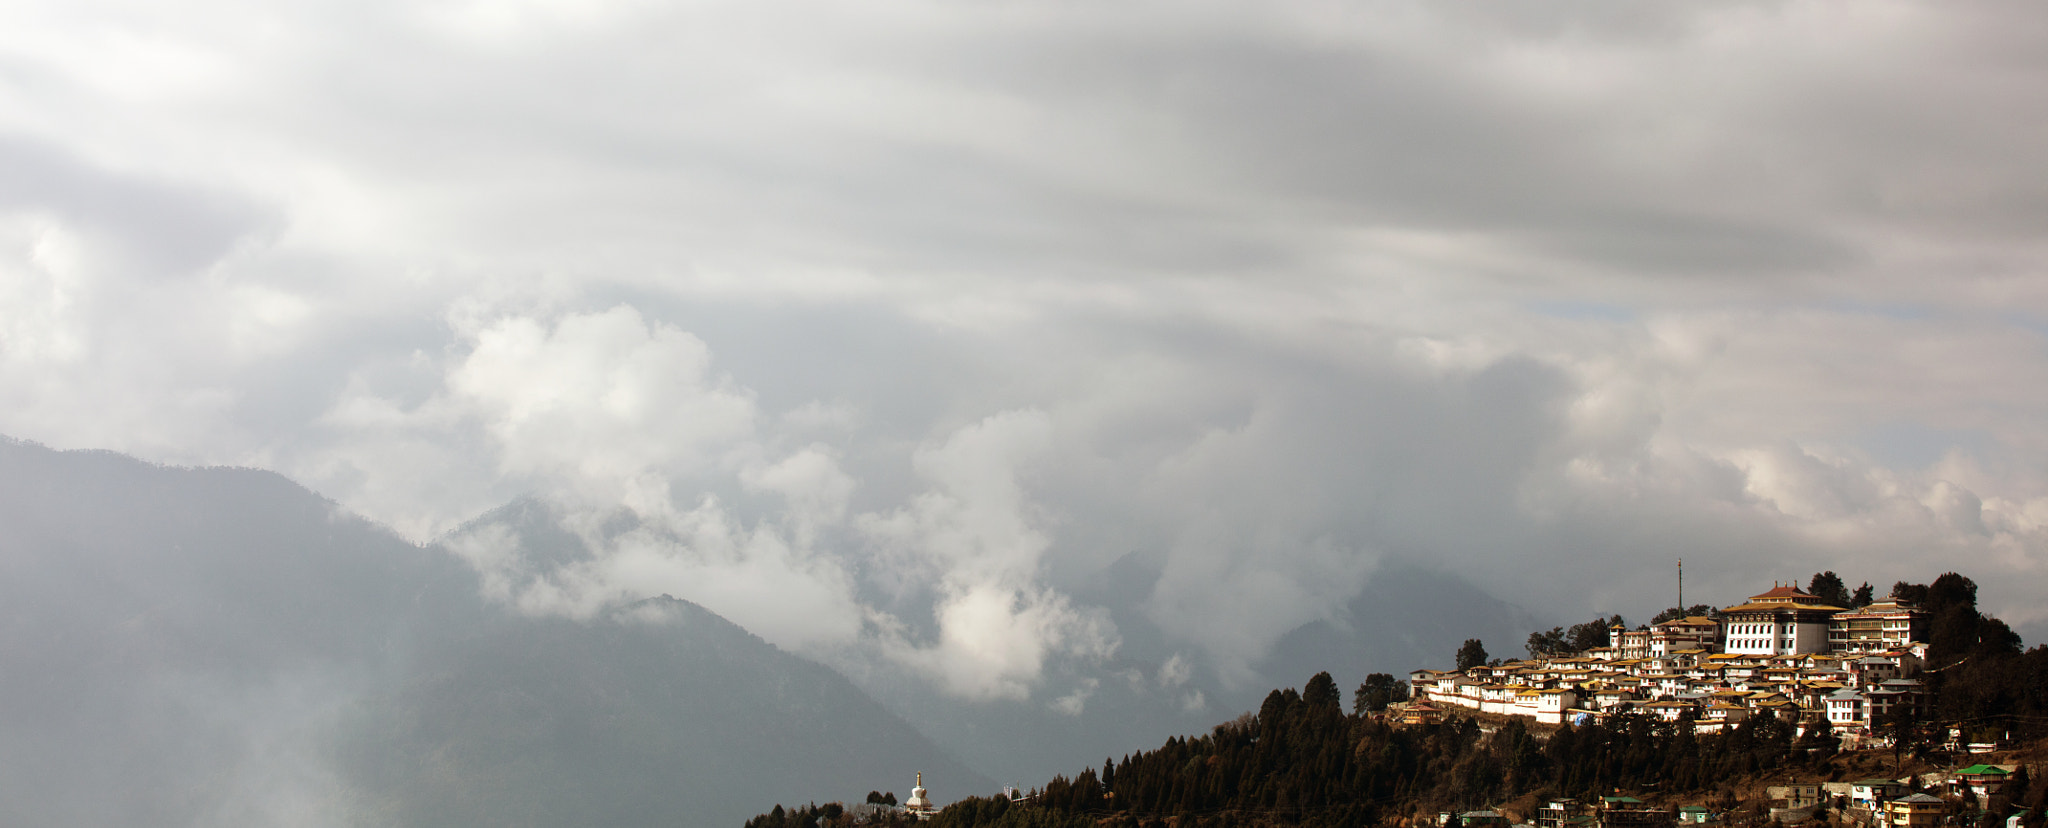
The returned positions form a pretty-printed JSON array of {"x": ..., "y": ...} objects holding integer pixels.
[{"x": 1783, "y": 621}]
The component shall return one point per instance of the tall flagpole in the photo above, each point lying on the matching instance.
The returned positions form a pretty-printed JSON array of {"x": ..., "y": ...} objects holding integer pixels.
[{"x": 1681, "y": 587}]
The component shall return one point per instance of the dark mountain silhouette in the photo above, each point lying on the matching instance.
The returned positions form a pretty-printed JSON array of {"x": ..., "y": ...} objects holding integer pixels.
[{"x": 223, "y": 647}]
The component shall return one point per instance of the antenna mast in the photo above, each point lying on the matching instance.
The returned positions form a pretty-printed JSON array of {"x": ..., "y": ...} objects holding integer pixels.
[{"x": 1681, "y": 587}]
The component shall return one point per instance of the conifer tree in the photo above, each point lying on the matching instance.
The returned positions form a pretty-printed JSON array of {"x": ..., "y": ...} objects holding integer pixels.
[
  {"x": 1828, "y": 587},
  {"x": 1471, "y": 654}
]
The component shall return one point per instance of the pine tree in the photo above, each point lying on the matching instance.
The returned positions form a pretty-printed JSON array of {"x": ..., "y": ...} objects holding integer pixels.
[
  {"x": 1828, "y": 587},
  {"x": 1471, "y": 654}
]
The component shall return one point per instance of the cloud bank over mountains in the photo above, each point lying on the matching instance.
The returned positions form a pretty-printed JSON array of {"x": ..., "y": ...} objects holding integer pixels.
[{"x": 890, "y": 328}]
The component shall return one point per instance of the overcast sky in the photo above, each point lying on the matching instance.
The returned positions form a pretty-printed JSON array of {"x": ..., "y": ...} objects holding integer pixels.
[{"x": 900, "y": 320}]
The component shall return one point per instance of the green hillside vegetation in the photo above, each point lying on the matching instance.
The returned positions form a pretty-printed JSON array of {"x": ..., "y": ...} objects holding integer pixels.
[{"x": 1301, "y": 760}]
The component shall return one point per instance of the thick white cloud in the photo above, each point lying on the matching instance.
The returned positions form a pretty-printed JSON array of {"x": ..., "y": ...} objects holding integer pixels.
[
  {"x": 975, "y": 536},
  {"x": 601, "y": 415},
  {"x": 599, "y": 397}
]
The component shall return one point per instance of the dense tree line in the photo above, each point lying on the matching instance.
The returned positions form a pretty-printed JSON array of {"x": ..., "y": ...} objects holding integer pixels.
[
  {"x": 1980, "y": 677},
  {"x": 1829, "y": 587},
  {"x": 1694, "y": 611},
  {"x": 1559, "y": 641},
  {"x": 1301, "y": 760},
  {"x": 833, "y": 815},
  {"x": 1378, "y": 691}
]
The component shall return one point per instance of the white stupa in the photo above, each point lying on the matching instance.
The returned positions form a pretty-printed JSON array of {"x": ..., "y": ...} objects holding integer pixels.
[{"x": 917, "y": 805}]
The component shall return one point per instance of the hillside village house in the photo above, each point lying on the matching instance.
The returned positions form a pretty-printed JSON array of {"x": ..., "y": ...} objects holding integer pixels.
[
  {"x": 1630, "y": 812},
  {"x": 1783, "y": 651},
  {"x": 1795, "y": 795},
  {"x": 1562, "y": 813},
  {"x": 1698, "y": 633},
  {"x": 1844, "y": 708},
  {"x": 1630, "y": 644},
  {"x": 1482, "y": 819},
  {"x": 1917, "y": 810},
  {"x": 1882, "y": 699},
  {"x": 1869, "y": 793},
  {"x": 1984, "y": 781}
]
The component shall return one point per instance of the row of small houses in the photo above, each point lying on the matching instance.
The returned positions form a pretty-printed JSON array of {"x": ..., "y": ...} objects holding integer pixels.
[
  {"x": 1915, "y": 802},
  {"x": 1714, "y": 689},
  {"x": 1607, "y": 812}
]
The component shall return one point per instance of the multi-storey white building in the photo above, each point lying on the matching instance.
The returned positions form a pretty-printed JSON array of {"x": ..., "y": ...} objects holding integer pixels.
[
  {"x": 1630, "y": 644},
  {"x": 1884, "y": 625},
  {"x": 1783, "y": 621}
]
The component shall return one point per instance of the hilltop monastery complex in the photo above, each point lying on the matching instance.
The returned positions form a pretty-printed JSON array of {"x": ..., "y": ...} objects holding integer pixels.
[{"x": 1784, "y": 651}]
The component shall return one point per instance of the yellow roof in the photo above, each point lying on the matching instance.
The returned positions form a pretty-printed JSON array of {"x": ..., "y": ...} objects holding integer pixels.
[{"x": 1773, "y": 606}]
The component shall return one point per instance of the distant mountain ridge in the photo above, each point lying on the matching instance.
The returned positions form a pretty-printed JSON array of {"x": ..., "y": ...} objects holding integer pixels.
[
  {"x": 223, "y": 647},
  {"x": 1406, "y": 616}
]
